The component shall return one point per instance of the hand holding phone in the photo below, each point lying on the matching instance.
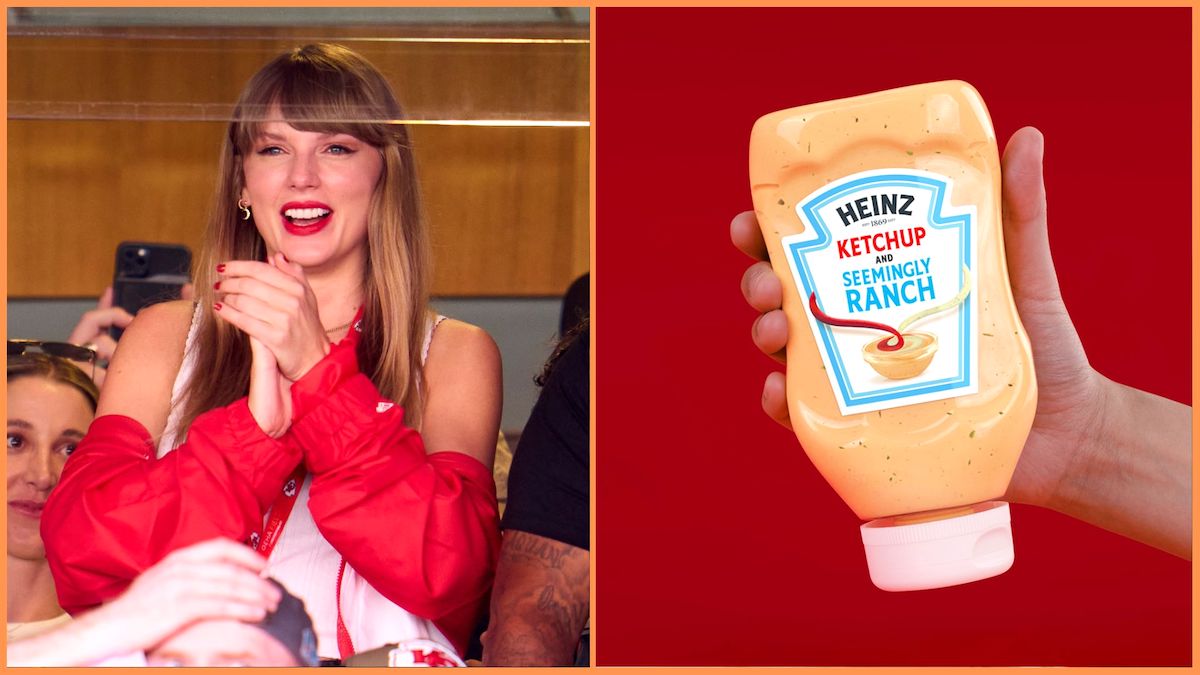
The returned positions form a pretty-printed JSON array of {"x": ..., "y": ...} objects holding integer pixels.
[{"x": 148, "y": 273}]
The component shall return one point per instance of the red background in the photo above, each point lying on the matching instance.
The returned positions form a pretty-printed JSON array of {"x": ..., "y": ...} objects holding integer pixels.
[{"x": 717, "y": 541}]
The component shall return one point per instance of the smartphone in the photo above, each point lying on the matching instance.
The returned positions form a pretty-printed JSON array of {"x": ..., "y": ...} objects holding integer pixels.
[{"x": 147, "y": 273}]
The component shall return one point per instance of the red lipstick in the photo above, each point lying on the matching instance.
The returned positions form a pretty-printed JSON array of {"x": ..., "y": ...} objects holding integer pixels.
[{"x": 305, "y": 218}]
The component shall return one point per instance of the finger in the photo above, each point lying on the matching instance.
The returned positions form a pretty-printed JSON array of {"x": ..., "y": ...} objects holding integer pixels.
[
  {"x": 746, "y": 236},
  {"x": 180, "y": 600},
  {"x": 774, "y": 399},
  {"x": 761, "y": 287},
  {"x": 104, "y": 346},
  {"x": 216, "y": 609},
  {"x": 1058, "y": 354},
  {"x": 224, "y": 608},
  {"x": 258, "y": 349},
  {"x": 85, "y": 330},
  {"x": 96, "y": 321},
  {"x": 262, "y": 271},
  {"x": 262, "y": 363},
  {"x": 243, "y": 313},
  {"x": 221, "y": 549},
  {"x": 287, "y": 298},
  {"x": 224, "y": 581},
  {"x": 117, "y": 316},
  {"x": 293, "y": 268},
  {"x": 770, "y": 333},
  {"x": 273, "y": 317},
  {"x": 106, "y": 298},
  {"x": 1026, "y": 239}
]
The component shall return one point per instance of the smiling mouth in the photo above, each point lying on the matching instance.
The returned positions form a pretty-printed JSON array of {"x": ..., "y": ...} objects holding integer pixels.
[{"x": 305, "y": 217}]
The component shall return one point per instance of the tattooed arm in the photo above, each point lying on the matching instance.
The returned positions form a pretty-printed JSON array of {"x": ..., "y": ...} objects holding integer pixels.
[{"x": 539, "y": 602}]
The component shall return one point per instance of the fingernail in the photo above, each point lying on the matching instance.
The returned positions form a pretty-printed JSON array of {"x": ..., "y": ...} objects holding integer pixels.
[
  {"x": 217, "y": 306},
  {"x": 217, "y": 286},
  {"x": 220, "y": 268}
]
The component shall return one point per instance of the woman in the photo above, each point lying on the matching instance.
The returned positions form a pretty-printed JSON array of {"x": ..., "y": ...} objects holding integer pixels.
[
  {"x": 50, "y": 405},
  {"x": 300, "y": 378}
]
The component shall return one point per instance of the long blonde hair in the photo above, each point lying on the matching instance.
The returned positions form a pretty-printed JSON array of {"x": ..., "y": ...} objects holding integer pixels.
[{"x": 329, "y": 89}]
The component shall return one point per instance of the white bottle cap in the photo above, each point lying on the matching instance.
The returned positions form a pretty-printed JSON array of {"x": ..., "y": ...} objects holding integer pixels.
[{"x": 939, "y": 553}]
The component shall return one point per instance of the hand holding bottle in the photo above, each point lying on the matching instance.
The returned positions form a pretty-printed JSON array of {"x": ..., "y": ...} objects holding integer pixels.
[{"x": 1087, "y": 455}]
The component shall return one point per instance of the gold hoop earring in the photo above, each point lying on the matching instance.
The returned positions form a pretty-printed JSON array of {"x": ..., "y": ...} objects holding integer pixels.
[{"x": 244, "y": 206}]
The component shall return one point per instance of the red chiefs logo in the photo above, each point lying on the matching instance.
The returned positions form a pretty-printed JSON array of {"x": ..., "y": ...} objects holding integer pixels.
[{"x": 433, "y": 659}]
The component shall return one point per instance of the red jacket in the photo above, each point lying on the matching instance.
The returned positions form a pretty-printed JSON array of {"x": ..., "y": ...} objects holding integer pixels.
[{"x": 422, "y": 529}]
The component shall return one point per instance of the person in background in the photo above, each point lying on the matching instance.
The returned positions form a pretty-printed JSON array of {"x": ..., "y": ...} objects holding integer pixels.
[
  {"x": 51, "y": 403},
  {"x": 310, "y": 381},
  {"x": 91, "y": 331},
  {"x": 540, "y": 602},
  {"x": 210, "y": 583},
  {"x": 1114, "y": 456},
  {"x": 576, "y": 304}
]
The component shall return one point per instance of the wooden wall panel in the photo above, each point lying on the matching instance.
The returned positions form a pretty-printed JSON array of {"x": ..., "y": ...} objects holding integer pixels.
[{"x": 508, "y": 205}]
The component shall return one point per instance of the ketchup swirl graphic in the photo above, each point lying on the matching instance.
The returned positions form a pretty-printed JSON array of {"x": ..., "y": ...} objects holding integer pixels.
[{"x": 886, "y": 344}]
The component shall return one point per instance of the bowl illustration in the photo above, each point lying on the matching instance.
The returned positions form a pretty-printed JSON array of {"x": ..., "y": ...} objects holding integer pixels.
[{"x": 910, "y": 360}]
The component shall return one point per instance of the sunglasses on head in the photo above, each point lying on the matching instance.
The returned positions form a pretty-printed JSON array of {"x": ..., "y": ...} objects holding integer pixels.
[{"x": 62, "y": 350}]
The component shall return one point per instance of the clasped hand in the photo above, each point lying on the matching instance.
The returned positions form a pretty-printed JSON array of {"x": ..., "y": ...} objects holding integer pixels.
[{"x": 274, "y": 305}]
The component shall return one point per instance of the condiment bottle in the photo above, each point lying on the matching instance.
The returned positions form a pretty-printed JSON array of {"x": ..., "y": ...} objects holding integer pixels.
[{"x": 909, "y": 376}]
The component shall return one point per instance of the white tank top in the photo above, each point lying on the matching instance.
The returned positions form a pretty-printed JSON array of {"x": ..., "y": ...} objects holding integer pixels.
[{"x": 308, "y": 565}]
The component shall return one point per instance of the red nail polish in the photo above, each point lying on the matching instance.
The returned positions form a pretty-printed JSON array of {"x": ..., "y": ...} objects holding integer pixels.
[
  {"x": 217, "y": 306},
  {"x": 217, "y": 286},
  {"x": 220, "y": 268}
]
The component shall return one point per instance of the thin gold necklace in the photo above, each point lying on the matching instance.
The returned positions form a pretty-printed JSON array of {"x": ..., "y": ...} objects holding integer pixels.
[{"x": 337, "y": 328}]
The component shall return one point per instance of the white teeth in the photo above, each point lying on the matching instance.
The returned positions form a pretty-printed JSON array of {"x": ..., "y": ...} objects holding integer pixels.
[{"x": 305, "y": 214}]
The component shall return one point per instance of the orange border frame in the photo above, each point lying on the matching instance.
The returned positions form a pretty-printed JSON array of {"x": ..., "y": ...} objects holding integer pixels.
[{"x": 593, "y": 5}]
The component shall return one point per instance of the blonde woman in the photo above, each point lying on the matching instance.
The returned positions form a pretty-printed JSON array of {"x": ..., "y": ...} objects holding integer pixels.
[{"x": 309, "y": 403}]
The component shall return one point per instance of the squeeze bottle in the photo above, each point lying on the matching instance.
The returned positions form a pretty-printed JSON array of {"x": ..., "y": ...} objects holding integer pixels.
[{"x": 910, "y": 382}]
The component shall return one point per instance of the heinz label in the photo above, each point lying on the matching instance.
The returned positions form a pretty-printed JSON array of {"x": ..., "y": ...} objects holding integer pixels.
[{"x": 886, "y": 268}]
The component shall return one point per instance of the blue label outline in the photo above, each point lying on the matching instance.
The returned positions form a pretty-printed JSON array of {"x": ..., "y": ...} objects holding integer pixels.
[{"x": 798, "y": 250}]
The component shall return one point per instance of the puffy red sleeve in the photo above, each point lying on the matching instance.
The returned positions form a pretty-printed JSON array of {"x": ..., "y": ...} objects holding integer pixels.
[
  {"x": 422, "y": 529},
  {"x": 118, "y": 509}
]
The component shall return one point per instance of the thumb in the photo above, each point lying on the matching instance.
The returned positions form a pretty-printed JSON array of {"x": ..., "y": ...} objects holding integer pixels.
[
  {"x": 295, "y": 270},
  {"x": 262, "y": 357},
  {"x": 1026, "y": 239},
  {"x": 1057, "y": 351}
]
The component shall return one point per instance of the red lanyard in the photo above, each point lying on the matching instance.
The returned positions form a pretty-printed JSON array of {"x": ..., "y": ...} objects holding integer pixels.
[{"x": 280, "y": 511}]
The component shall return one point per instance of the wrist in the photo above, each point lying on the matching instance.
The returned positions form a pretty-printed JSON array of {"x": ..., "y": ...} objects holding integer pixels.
[
  {"x": 99, "y": 634},
  {"x": 1090, "y": 447},
  {"x": 310, "y": 361},
  {"x": 331, "y": 371}
]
